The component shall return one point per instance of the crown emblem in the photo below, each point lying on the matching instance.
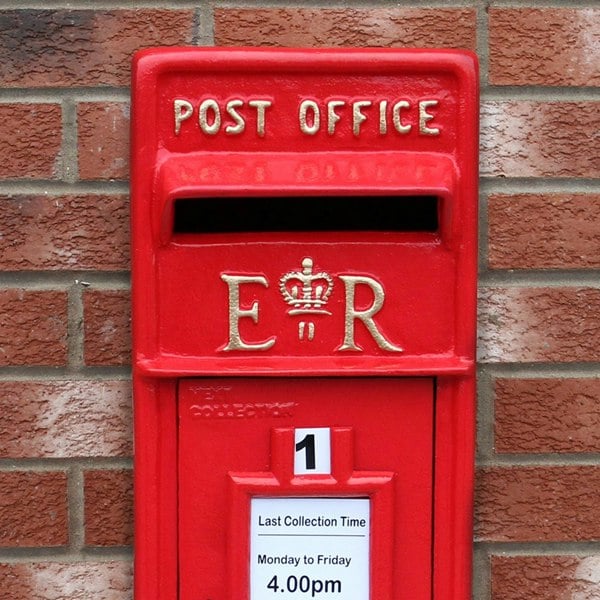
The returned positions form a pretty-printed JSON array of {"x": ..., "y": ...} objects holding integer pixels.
[{"x": 306, "y": 292}]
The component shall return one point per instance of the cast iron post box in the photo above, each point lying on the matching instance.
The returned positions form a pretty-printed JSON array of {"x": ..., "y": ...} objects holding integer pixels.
[{"x": 304, "y": 274}]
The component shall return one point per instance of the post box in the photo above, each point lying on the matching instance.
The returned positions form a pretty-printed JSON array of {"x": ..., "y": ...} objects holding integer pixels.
[{"x": 304, "y": 276}]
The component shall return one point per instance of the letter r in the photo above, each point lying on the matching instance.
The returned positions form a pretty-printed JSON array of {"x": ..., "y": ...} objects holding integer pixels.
[{"x": 366, "y": 316}]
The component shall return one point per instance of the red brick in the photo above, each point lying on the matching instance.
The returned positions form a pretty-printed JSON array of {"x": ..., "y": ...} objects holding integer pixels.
[
  {"x": 108, "y": 508},
  {"x": 547, "y": 415},
  {"x": 58, "y": 419},
  {"x": 398, "y": 27},
  {"x": 540, "y": 139},
  {"x": 64, "y": 232},
  {"x": 521, "y": 324},
  {"x": 545, "y": 46},
  {"x": 30, "y": 140},
  {"x": 103, "y": 130},
  {"x": 107, "y": 315},
  {"x": 33, "y": 509},
  {"x": 33, "y": 327},
  {"x": 543, "y": 504},
  {"x": 106, "y": 580},
  {"x": 549, "y": 231},
  {"x": 62, "y": 48},
  {"x": 545, "y": 577}
]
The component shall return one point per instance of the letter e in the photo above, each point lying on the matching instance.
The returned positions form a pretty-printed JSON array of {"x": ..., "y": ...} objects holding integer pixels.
[{"x": 236, "y": 313}]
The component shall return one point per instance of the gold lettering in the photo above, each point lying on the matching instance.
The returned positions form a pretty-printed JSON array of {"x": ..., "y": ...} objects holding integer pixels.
[
  {"x": 332, "y": 116},
  {"x": 425, "y": 117},
  {"x": 260, "y": 106},
  {"x": 397, "y": 118},
  {"x": 240, "y": 124},
  {"x": 366, "y": 316},
  {"x": 183, "y": 110},
  {"x": 305, "y": 127},
  {"x": 236, "y": 313},
  {"x": 231, "y": 117},
  {"x": 205, "y": 106},
  {"x": 383, "y": 117},
  {"x": 357, "y": 116}
]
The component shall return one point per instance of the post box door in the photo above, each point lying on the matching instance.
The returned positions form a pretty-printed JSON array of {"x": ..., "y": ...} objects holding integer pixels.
[{"x": 368, "y": 435}]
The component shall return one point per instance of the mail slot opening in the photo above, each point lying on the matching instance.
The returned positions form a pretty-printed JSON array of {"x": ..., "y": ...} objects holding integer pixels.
[{"x": 306, "y": 213}]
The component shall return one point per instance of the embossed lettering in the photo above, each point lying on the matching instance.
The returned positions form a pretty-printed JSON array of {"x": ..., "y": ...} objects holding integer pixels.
[
  {"x": 236, "y": 313},
  {"x": 210, "y": 128},
  {"x": 332, "y": 116},
  {"x": 243, "y": 410},
  {"x": 260, "y": 106},
  {"x": 240, "y": 124},
  {"x": 383, "y": 117},
  {"x": 309, "y": 126},
  {"x": 366, "y": 316},
  {"x": 397, "y": 118},
  {"x": 402, "y": 114},
  {"x": 214, "y": 114},
  {"x": 234, "y": 116},
  {"x": 357, "y": 115},
  {"x": 425, "y": 117},
  {"x": 183, "y": 111}
]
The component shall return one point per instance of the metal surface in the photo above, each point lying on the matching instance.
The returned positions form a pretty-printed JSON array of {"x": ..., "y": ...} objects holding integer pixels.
[{"x": 365, "y": 326}]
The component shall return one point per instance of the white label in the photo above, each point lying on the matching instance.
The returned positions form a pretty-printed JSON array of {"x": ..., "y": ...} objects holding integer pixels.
[
  {"x": 312, "y": 453},
  {"x": 309, "y": 548}
]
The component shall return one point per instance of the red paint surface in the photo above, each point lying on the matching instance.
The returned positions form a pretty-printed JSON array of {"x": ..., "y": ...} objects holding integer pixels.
[
  {"x": 386, "y": 420},
  {"x": 182, "y": 326}
]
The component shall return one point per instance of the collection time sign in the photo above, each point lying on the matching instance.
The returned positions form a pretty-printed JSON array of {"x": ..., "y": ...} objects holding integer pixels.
[{"x": 309, "y": 547}]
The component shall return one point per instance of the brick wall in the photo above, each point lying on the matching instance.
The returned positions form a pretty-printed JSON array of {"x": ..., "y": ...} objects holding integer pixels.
[{"x": 65, "y": 424}]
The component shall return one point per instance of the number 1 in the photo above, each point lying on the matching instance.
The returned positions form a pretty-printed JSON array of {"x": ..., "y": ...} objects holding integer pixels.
[
  {"x": 308, "y": 444},
  {"x": 312, "y": 451}
]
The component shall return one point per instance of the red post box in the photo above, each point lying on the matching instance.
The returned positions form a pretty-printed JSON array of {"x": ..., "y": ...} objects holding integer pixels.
[{"x": 304, "y": 274}]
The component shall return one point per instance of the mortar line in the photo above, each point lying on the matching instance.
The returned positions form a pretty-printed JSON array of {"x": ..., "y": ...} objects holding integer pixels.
[
  {"x": 482, "y": 586},
  {"x": 47, "y": 280},
  {"x": 558, "y": 278},
  {"x": 591, "y": 459},
  {"x": 483, "y": 233},
  {"x": 55, "y": 187},
  {"x": 107, "y": 553},
  {"x": 539, "y": 93},
  {"x": 42, "y": 374},
  {"x": 20, "y": 95},
  {"x": 545, "y": 548},
  {"x": 206, "y": 25},
  {"x": 538, "y": 185},
  {"x": 519, "y": 185},
  {"x": 196, "y": 26},
  {"x": 70, "y": 166},
  {"x": 76, "y": 499},
  {"x": 483, "y": 51},
  {"x": 78, "y": 464},
  {"x": 51, "y": 555},
  {"x": 75, "y": 332},
  {"x": 547, "y": 370},
  {"x": 485, "y": 415}
]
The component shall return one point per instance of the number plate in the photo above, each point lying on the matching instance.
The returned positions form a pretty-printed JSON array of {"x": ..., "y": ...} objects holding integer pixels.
[{"x": 313, "y": 451}]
